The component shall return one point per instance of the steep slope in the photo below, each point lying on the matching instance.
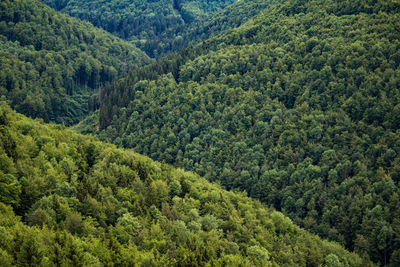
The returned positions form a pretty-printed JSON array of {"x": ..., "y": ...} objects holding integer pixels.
[
  {"x": 219, "y": 23},
  {"x": 151, "y": 25},
  {"x": 50, "y": 63},
  {"x": 68, "y": 199},
  {"x": 300, "y": 107}
]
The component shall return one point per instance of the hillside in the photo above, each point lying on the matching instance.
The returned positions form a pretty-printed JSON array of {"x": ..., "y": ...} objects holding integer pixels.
[
  {"x": 300, "y": 107},
  {"x": 68, "y": 199},
  {"x": 219, "y": 23},
  {"x": 154, "y": 26},
  {"x": 50, "y": 64}
]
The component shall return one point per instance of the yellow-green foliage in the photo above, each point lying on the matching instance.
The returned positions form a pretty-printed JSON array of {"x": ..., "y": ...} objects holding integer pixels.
[
  {"x": 69, "y": 199},
  {"x": 299, "y": 107}
]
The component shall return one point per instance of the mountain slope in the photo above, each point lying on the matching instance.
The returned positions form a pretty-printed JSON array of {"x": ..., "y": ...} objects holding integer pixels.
[
  {"x": 50, "y": 63},
  {"x": 299, "y": 107},
  {"x": 219, "y": 23},
  {"x": 68, "y": 199},
  {"x": 151, "y": 25}
]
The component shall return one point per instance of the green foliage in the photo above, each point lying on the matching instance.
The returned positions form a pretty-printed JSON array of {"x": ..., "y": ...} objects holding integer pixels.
[
  {"x": 119, "y": 208},
  {"x": 50, "y": 64},
  {"x": 258, "y": 256},
  {"x": 298, "y": 107},
  {"x": 10, "y": 189},
  {"x": 156, "y": 27},
  {"x": 159, "y": 27},
  {"x": 332, "y": 261}
]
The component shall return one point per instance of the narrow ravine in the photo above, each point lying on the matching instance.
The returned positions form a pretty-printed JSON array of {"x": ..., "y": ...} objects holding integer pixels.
[{"x": 179, "y": 9}]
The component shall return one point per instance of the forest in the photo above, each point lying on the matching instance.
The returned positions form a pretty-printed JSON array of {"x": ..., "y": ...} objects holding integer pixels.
[
  {"x": 156, "y": 27},
  {"x": 299, "y": 107},
  {"x": 70, "y": 200},
  {"x": 51, "y": 64},
  {"x": 216, "y": 133}
]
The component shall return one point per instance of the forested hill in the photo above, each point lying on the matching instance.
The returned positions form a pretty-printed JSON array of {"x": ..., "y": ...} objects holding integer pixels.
[
  {"x": 154, "y": 26},
  {"x": 300, "y": 107},
  {"x": 219, "y": 23},
  {"x": 70, "y": 200},
  {"x": 50, "y": 63}
]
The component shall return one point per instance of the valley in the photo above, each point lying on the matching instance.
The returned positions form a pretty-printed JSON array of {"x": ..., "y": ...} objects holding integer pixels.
[{"x": 272, "y": 128}]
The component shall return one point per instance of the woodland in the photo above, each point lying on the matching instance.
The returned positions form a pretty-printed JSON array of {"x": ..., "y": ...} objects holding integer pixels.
[
  {"x": 70, "y": 200},
  {"x": 51, "y": 64},
  {"x": 298, "y": 108},
  {"x": 217, "y": 133},
  {"x": 156, "y": 27}
]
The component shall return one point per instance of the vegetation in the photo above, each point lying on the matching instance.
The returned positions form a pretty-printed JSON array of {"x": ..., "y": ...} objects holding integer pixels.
[
  {"x": 300, "y": 107},
  {"x": 154, "y": 26},
  {"x": 68, "y": 199},
  {"x": 219, "y": 23},
  {"x": 50, "y": 64},
  {"x": 296, "y": 102}
]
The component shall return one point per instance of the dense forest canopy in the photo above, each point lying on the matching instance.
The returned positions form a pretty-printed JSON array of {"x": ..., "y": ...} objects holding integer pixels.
[
  {"x": 219, "y": 23},
  {"x": 300, "y": 107},
  {"x": 156, "y": 27},
  {"x": 70, "y": 200},
  {"x": 295, "y": 103},
  {"x": 50, "y": 64}
]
